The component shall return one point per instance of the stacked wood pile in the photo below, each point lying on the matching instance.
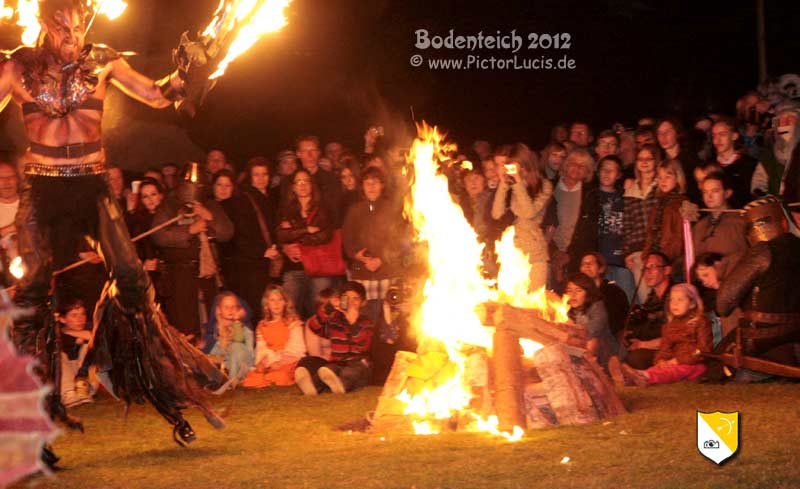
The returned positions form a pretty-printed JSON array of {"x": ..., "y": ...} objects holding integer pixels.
[{"x": 561, "y": 385}]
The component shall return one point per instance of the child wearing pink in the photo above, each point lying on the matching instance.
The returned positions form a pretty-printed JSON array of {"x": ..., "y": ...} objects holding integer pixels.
[{"x": 683, "y": 339}]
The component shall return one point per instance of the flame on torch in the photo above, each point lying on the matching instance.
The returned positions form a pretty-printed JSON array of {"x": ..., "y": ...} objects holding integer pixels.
[
  {"x": 248, "y": 21},
  {"x": 27, "y": 13}
]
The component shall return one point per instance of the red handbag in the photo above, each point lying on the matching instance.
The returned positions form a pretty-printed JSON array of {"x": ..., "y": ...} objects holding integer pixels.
[{"x": 323, "y": 260}]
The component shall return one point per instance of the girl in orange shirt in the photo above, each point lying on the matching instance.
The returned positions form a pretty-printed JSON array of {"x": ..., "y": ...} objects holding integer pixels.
[{"x": 279, "y": 341}]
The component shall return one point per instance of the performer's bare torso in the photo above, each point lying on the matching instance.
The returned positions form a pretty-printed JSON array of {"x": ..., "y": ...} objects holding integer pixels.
[
  {"x": 70, "y": 123},
  {"x": 78, "y": 126}
]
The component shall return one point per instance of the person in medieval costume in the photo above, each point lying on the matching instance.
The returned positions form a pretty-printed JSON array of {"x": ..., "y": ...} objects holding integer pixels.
[
  {"x": 778, "y": 171},
  {"x": 60, "y": 85},
  {"x": 762, "y": 285}
]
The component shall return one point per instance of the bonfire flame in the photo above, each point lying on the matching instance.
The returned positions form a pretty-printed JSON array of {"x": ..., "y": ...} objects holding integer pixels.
[
  {"x": 27, "y": 13},
  {"x": 436, "y": 387},
  {"x": 248, "y": 21}
]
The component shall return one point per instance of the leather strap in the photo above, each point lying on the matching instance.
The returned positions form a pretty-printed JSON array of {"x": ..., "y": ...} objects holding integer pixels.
[
  {"x": 262, "y": 223},
  {"x": 69, "y": 151}
]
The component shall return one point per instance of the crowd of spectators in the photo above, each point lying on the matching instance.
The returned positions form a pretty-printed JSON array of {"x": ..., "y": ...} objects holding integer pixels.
[{"x": 279, "y": 269}]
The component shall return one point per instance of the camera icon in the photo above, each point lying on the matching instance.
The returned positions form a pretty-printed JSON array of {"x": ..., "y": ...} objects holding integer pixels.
[{"x": 710, "y": 444}]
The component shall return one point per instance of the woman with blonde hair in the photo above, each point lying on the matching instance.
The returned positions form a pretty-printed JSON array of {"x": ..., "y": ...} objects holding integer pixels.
[
  {"x": 279, "y": 341},
  {"x": 574, "y": 215},
  {"x": 665, "y": 223}
]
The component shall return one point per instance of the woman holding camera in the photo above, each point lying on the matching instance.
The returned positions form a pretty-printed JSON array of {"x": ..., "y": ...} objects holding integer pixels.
[{"x": 530, "y": 193}]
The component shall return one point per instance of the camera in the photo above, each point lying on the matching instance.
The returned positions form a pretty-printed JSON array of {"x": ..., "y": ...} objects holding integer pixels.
[
  {"x": 710, "y": 444},
  {"x": 399, "y": 293}
]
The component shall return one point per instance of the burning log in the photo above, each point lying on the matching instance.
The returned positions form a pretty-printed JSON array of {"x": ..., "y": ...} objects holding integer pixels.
[
  {"x": 507, "y": 367},
  {"x": 528, "y": 323}
]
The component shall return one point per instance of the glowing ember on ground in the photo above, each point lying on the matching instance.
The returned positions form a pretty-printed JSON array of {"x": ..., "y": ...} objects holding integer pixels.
[{"x": 250, "y": 20}]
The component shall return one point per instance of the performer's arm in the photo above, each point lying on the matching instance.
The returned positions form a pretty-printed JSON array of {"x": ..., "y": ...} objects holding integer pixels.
[
  {"x": 7, "y": 74},
  {"x": 159, "y": 94}
]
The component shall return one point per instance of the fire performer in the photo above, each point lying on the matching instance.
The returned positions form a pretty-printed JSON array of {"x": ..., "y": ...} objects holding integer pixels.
[
  {"x": 762, "y": 285},
  {"x": 61, "y": 84}
]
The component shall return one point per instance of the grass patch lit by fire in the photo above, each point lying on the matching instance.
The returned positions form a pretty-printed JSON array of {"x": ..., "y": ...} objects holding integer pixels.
[{"x": 277, "y": 438}]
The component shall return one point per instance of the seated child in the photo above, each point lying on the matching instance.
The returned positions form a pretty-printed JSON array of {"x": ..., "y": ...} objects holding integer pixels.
[
  {"x": 75, "y": 337},
  {"x": 230, "y": 336},
  {"x": 350, "y": 333},
  {"x": 683, "y": 338},
  {"x": 279, "y": 341}
]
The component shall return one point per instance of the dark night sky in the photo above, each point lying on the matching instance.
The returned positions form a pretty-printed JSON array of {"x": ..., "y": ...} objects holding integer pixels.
[{"x": 341, "y": 64}]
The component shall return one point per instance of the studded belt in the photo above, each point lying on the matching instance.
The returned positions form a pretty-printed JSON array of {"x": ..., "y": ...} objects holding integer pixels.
[{"x": 65, "y": 169}]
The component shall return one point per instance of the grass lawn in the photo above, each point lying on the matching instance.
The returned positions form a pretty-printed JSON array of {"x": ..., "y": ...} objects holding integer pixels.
[{"x": 277, "y": 438}]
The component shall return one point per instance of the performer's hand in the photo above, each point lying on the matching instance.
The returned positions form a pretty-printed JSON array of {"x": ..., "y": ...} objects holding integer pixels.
[
  {"x": 312, "y": 229},
  {"x": 151, "y": 265},
  {"x": 198, "y": 227},
  {"x": 361, "y": 255},
  {"x": 201, "y": 211}
]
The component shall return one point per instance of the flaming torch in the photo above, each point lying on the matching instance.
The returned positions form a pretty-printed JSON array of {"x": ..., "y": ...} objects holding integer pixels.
[{"x": 235, "y": 27}]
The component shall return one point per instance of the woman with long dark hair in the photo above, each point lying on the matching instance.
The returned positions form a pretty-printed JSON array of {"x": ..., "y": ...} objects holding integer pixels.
[
  {"x": 588, "y": 310},
  {"x": 251, "y": 254},
  {"x": 304, "y": 221}
]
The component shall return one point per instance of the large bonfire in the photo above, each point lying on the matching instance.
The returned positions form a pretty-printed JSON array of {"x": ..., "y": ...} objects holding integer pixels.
[{"x": 449, "y": 328}]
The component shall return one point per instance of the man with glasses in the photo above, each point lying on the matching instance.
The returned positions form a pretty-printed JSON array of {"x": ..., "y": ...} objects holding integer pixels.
[
  {"x": 643, "y": 331},
  {"x": 607, "y": 144}
]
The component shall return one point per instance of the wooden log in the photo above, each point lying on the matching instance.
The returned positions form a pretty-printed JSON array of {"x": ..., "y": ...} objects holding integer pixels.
[
  {"x": 507, "y": 366},
  {"x": 527, "y": 323},
  {"x": 578, "y": 389},
  {"x": 565, "y": 391}
]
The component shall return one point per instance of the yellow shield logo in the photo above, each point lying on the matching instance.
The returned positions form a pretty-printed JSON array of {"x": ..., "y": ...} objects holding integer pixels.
[{"x": 718, "y": 435}]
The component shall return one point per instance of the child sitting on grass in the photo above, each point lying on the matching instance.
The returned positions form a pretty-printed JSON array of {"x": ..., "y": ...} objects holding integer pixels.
[
  {"x": 350, "y": 333},
  {"x": 231, "y": 336},
  {"x": 279, "y": 341},
  {"x": 685, "y": 336},
  {"x": 75, "y": 337}
]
